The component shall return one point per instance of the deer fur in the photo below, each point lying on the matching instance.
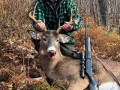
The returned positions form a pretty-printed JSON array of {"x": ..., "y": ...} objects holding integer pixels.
[{"x": 65, "y": 71}]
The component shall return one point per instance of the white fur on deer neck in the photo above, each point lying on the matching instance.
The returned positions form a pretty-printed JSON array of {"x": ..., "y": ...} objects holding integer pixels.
[{"x": 109, "y": 86}]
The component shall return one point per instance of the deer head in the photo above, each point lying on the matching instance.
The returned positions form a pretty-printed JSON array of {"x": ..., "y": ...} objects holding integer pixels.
[{"x": 49, "y": 41}]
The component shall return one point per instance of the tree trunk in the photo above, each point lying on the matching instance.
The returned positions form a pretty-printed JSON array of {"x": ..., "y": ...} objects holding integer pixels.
[{"x": 104, "y": 11}]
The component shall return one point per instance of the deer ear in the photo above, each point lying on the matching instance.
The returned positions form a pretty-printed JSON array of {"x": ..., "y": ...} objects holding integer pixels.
[
  {"x": 34, "y": 34},
  {"x": 65, "y": 38}
]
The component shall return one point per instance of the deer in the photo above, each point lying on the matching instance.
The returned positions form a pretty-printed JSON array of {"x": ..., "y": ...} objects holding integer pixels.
[{"x": 65, "y": 71}]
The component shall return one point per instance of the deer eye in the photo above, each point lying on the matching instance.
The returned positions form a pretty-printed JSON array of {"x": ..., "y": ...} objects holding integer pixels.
[
  {"x": 44, "y": 39},
  {"x": 57, "y": 40}
]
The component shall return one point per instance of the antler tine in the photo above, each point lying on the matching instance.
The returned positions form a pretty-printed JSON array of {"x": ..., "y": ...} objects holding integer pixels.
[
  {"x": 31, "y": 16},
  {"x": 70, "y": 15},
  {"x": 72, "y": 22},
  {"x": 59, "y": 27},
  {"x": 75, "y": 18}
]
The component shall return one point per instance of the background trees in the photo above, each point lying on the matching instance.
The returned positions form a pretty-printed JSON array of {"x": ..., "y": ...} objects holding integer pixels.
[
  {"x": 17, "y": 55},
  {"x": 104, "y": 12}
]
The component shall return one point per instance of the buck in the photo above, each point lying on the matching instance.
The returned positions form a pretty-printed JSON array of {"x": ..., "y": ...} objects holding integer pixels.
[{"x": 65, "y": 71}]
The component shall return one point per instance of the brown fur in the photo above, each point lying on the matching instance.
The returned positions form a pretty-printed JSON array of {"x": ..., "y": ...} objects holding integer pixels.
[{"x": 65, "y": 71}]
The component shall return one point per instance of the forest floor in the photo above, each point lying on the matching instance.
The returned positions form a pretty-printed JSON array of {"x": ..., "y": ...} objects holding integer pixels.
[{"x": 19, "y": 64}]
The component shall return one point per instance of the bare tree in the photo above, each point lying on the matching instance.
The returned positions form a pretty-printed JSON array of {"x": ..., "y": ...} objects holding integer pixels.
[{"x": 105, "y": 12}]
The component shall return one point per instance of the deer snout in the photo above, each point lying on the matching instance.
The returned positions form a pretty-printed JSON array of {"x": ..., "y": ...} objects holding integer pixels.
[{"x": 51, "y": 53}]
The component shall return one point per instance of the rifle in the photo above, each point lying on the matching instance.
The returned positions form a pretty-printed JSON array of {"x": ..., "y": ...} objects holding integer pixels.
[{"x": 86, "y": 63}]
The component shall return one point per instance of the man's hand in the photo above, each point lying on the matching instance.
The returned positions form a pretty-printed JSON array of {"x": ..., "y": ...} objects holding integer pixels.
[
  {"x": 40, "y": 25},
  {"x": 67, "y": 26}
]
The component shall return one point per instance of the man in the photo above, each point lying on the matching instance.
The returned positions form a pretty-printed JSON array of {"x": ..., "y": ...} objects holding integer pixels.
[{"x": 53, "y": 11}]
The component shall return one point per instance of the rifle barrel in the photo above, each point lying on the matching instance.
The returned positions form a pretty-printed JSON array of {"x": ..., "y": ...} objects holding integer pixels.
[{"x": 93, "y": 84}]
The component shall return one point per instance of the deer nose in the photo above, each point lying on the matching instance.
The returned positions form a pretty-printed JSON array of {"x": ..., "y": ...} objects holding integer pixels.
[{"x": 51, "y": 53}]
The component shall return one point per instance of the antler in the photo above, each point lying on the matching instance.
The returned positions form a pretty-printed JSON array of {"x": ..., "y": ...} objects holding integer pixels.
[
  {"x": 60, "y": 27},
  {"x": 31, "y": 15},
  {"x": 72, "y": 21}
]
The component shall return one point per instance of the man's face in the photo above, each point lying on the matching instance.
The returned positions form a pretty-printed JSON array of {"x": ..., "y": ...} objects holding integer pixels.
[{"x": 53, "y": 0}]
